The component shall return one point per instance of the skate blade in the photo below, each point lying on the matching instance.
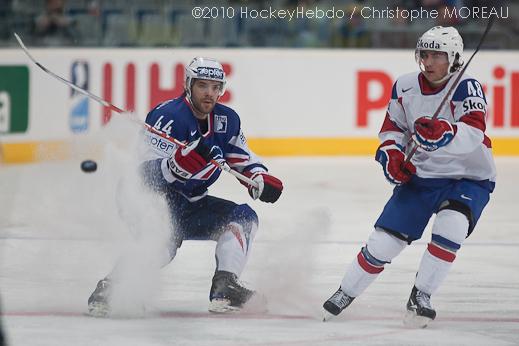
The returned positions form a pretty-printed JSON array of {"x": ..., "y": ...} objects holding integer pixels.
[
  {"x": 222, "y": 306},
  {"x": 98, "y": 310},
  {"x": 412, "y": 320},
  {"x": 327, "y": 316}
]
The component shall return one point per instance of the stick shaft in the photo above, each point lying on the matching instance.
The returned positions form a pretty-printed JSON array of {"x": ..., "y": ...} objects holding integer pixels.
[
  {"x": 224, "y": 166},
  {"x": 454, "y": 84}
]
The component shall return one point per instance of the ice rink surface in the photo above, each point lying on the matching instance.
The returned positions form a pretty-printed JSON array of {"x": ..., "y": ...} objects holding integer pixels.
[{"x": 60, "y": 233}]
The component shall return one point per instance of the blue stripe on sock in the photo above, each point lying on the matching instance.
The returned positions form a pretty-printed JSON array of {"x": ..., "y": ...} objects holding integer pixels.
[
  {"x": 370, "y": 259},
  {"x": 444, "y": 242}
]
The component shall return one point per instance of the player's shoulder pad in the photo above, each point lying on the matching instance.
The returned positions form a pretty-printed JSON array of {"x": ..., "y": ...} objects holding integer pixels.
[
  {"x": 174, "y": 109},
  {"x": 468, "y": 87},
  {"x": 404, "y": 84},
  {"x": 225, "y": 110}
]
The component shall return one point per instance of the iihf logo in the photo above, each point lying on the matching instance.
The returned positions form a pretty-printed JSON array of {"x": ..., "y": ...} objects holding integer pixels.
[{"x": 220, "y": 123}]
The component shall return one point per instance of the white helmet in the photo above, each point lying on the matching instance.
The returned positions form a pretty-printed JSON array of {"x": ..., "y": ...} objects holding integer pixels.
[
  {"x": 204, "y": 68},
  {"x": 442, "y": 39}
]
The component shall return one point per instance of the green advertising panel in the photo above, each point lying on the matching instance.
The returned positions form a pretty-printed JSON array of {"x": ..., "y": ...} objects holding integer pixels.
[{"x": 14, "y": 99}]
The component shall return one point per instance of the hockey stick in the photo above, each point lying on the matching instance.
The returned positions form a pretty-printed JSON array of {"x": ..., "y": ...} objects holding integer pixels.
[
  {"x": 224, "y": 166},
  {"x": 453, "y": 86}
]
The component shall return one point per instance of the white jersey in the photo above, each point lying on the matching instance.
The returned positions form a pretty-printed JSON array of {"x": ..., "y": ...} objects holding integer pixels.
[{"x": 469, "y": 154}]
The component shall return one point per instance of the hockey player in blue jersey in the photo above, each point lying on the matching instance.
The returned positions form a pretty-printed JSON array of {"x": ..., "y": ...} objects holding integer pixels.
[
  {"x": 211, "y": 131},
  {"x": 451, "y": 175}
]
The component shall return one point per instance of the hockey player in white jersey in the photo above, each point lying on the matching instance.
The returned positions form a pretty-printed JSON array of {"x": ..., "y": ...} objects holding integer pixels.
[
  {"x": 212, "y": 131},
  {"x": 451, "y": 175}
]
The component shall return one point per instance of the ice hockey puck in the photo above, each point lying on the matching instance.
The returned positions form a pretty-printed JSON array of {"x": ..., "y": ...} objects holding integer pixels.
[{"x": 88, "y": 166}]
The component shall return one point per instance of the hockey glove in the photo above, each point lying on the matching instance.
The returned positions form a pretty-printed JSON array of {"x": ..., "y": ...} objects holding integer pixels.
[
  {"x": 391, "y": 156},
  {"x": 269, "y": 187},
  {"x": 210, "y": 153},
  {"x": 190, "y": 159},
  {"x": 433, "y": 134}
]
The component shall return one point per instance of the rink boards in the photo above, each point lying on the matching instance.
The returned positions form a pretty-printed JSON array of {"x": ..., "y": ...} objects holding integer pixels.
[{"x": 291, "y": 102}]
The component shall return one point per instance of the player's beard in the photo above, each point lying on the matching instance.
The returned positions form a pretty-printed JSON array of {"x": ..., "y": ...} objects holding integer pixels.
[{"x": 204, "y": 106}]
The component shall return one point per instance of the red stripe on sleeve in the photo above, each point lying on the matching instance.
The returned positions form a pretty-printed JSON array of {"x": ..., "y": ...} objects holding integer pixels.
[
  {"x": 487, "y": 142},
  {"x": 388, "y": 125},
  {"x": 232, "y": 160},
  {"x": 475, "y": 119}
]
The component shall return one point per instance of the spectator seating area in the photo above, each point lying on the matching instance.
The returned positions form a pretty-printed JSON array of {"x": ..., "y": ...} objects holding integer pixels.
[{"x": 161, "y": 23}]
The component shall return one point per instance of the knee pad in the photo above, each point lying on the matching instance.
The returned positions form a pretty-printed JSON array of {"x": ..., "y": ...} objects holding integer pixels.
[
  {"x": 450, "y": 229},
  {"x": 461, "y": 208},
  {"x": 244, "y": 216},
  {"x": 243, "y": 224},
  {"x": 380, "y": 249}
]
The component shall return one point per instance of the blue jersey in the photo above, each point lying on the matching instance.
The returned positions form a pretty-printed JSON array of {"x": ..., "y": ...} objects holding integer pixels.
[{"x": 175, "y": 118}]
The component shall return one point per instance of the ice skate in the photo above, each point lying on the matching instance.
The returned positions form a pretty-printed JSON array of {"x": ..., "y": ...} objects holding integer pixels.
[
  {"x": 98, "y": 305},
  {"x": 228, "y": 295},
  {"x": 335, "y": 304},
  {"x": 419, "y": 309}
]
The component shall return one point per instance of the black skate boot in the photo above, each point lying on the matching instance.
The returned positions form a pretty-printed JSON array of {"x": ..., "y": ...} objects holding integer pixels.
[
  {"x": 336, "y": 303},
  {"x": 419, "y": 309},
  {"x": 227, "y": 294},
  {"x": 98, "y": 305}
]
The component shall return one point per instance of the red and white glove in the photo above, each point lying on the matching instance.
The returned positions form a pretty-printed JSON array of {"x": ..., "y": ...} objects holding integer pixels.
[
  {"x": 190, "y": 159},
  {"x": 269, "y": 187},
  {"x": 392, "y": 158},
  {"x": 433, "y": 134}
]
